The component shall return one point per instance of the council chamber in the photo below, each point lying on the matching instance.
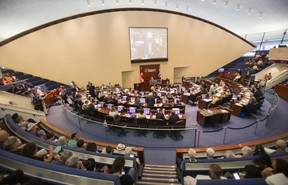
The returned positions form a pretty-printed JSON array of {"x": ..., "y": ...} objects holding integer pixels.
[{"x": 143, "y": 111}]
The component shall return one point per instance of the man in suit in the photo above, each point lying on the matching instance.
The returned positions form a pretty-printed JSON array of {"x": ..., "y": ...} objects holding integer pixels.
[
  {"x": 150, "y": 100},
  {"x": 160, "y": 114},
  {"x": 173, "y": 118}
]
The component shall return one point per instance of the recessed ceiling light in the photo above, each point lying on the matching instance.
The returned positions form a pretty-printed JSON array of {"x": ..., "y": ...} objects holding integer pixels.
[
  {"x": 238, "y": 7},
  {"x": 226, "y": 4},
  {"x": 214, "y": 1}
]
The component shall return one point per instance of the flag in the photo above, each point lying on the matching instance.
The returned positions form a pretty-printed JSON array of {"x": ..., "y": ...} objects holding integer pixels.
[
  {"x": 159, "y": 74},
  {"x": 141, "y": 75}
]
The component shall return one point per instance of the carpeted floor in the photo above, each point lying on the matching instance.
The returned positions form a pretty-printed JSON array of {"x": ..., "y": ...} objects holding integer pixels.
[{"x": 162, "y": 151}]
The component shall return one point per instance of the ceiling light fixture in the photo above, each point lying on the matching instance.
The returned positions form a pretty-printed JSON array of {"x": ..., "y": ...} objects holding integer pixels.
[
  {"x": 261, "y": 15},
  {"x": 142, "y": 2},
  {"x": 177, "y": 6},
  {"x": 238, "y": 7},
  {"x": 214, "y": 1},
  {"x": 155, "y": 2},
  {"x": 226, "y": 4},
  {"x": 166, "y": 3},
  {"x": 130, "y": 2},
  {"x": 88, "y": 3},
  {"x": 103, "y": 2},
  {"x": 202, "y": 0},
  {"x": 249, "y": 11},
  {"x": 117, "y": 2}
]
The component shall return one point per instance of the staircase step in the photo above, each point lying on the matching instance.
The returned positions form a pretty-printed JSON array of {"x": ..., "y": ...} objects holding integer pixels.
[
  {"x": 159, "y": 175},
  {"x": 160, "y": 166},
  {"x": 160, "y": 169},
  {"x": 165, "y": 179},
  {"x": 157, "y": 183},
  {"x": 157, "y": 171}
]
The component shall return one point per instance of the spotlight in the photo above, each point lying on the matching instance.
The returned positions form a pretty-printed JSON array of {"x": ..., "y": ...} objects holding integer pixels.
[
  {"x": 214, "y": 1},
  {"x": 238, "y": 7},
  {"x": 117, "y": 2},
  {"x": 260, "y": 15},
  {"x": 226, "y": 4},
  {"x": 249, "y": 11},
  {"x": 130, "y": 2},
  {"x": 88, "y": 3},
  {"x": 103, "y": 2},
  {"x": 142, "y": 2}
]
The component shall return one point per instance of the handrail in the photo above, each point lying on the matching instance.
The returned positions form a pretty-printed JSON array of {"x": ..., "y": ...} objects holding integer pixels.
[
  {"x": 132, "y": 128},
  {"x": 243, "y": 127}
]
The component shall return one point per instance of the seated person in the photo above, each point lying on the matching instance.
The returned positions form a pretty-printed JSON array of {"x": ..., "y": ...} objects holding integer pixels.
[
  {"x": 278, "y": 174},
  {"x": 140, "y": 114},
  {"x": 237, "y": 77},
  {"x": 281, "y": 146},
  {"x": 173, "y": 118},
  {"x": 215, "y": 172},
  {"x": 113, "y": 113},
  {"x": 210, "y": 153},
  {"x": 14, "y": 89},
  {"x": 160, "y": 114},
  {"x": 192, "y": 155}
]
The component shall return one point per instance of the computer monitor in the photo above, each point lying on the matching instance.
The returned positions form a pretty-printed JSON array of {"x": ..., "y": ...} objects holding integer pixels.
[
  {"x": 176, "y": 101},
  {"x": 159, "y": 94},
  {"x": 120, "y": 108},
  {"x": 101, "y": 104},
  {"x": 142, "y": 100},
  {"x": 132, "y": 110},
  {"x": 176, "y": 110},
  {"x": 164, "y": 101},
  {"x": 135, "y": 92},
  {"x": 221, "y": 70},
  {"x": 118, "y": 95},
  {"x": 132, "y": 99},
  {"x": 142, "y": 93},
  {"x": 124, "y": 98},
  {"x": 146, "y": 111},
  {"x": 109, "y": 106},
  {"x": 203, "y": 96}
]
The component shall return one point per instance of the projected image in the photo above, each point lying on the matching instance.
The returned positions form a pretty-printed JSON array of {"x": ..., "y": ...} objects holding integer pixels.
[{"x": 148, "y": 44}]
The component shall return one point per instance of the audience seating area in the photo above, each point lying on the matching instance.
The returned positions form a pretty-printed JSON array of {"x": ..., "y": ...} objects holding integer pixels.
[{"x": 45, "y": 84}]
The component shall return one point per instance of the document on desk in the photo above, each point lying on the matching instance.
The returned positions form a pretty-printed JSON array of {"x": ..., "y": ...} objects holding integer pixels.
[
  {"x": 207, "y": 100},
  {"x": 180, "y": 116}
]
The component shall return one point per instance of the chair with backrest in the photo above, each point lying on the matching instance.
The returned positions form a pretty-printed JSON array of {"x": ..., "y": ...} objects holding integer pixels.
[
  {"x": 176, "y": 134},
  {"x": 142, "y": 123},
  {"x": 159, "y": 124},
  {"x": 111, "y": 122}
]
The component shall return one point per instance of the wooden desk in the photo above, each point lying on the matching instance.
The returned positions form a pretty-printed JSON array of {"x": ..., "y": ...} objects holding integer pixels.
[
  {"x": 282, "y": 91},
  {"x": 237, "y": 109},
  {"x": 203, "y": 103},
  {"x": 202, "y": 120}
]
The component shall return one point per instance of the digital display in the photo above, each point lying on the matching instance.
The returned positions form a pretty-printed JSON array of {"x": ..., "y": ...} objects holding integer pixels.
[
  {"x": 109, "y": 106},
  {"x": 132, "y": 110},
  {"x": 146, "y": 111},
  {"x": 132, "y": 99},
  {"x": 142, "y": 100},
  {"x": 124, "y": 98},
  {"x": 176, "y": 110},
  {"x": 119, "y": 109},
  {"x": 148, "y": 44}
]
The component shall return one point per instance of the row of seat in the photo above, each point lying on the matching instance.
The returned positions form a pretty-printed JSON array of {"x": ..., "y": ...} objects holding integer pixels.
[{"x": 101, "y": 159}]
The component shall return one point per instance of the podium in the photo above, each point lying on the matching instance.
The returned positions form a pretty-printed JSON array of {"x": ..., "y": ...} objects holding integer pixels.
[{"x": 143, "y": 86}]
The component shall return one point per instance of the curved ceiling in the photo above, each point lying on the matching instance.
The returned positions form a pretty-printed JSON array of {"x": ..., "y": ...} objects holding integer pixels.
[{"x": 240, "y": 16}]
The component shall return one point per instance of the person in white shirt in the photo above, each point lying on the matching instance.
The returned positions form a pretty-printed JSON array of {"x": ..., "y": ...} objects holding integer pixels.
[{"x": 278, "y": 174}]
